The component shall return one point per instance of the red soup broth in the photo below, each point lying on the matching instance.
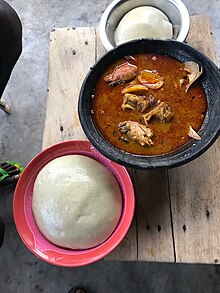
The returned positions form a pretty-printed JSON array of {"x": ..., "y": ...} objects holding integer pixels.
[{"x": 189, "y": 108}]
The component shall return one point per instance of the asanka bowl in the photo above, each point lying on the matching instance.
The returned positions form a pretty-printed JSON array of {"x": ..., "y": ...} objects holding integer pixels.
[
  {"x": 27, "y": 227},
  {"x": 210, "y": 80}
]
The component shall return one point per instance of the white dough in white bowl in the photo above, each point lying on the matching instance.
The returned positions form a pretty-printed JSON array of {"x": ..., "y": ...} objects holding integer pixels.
[
  {"x": 143, "y": 22},
  {"x": 77, "y": 202}
]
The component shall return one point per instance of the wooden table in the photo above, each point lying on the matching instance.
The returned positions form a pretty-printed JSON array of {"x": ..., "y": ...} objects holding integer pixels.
[{"x": 177, "y": 216}]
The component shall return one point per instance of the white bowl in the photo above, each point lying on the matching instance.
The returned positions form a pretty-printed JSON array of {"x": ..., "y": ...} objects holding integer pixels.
[{"x": 175, "y": 10}]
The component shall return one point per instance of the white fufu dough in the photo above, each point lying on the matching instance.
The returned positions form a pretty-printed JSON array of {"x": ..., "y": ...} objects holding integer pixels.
[
  {"x": 143, "y": 22},
  {"x": 77, "y": 202}
]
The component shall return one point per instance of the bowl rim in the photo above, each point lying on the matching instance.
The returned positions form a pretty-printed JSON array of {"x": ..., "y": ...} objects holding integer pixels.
[
  {"x": 22, "y": 206},
  {"x": 184, "y": 29},
  {"x": 169, "y": 160}
]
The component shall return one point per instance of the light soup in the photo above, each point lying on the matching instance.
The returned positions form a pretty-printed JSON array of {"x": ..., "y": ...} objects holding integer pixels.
[{"x": 149, "y": 104}]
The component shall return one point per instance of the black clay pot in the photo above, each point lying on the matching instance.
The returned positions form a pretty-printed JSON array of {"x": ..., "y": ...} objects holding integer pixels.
[{"x": 209, "y": 131}]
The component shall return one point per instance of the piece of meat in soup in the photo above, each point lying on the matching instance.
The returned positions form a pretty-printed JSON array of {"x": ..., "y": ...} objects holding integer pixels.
[
  {"x": 121, "y": 74},
  {"x": 139, "y": 103},
  {"x": 162, "y": 111},
  {"x": 137, "y": 132}
]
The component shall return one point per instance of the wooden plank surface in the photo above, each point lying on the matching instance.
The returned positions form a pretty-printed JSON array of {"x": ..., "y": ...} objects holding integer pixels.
[
  {"x": 151, "y": 236},
  {"x": 72, "y": 52},
  {"x": 155, "y": 241},
  {"x": 195, "y": 187}
]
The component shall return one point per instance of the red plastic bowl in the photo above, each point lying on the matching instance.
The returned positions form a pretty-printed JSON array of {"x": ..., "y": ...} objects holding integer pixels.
[{"x": 24, "y": 219}]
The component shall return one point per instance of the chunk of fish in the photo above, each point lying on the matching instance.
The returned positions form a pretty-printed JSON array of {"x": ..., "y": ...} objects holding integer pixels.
[{"x": 121, "y": 74}]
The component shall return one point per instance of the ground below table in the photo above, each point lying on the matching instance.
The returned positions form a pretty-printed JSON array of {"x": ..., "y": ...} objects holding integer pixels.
[{"x": 177, "y": 216}]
